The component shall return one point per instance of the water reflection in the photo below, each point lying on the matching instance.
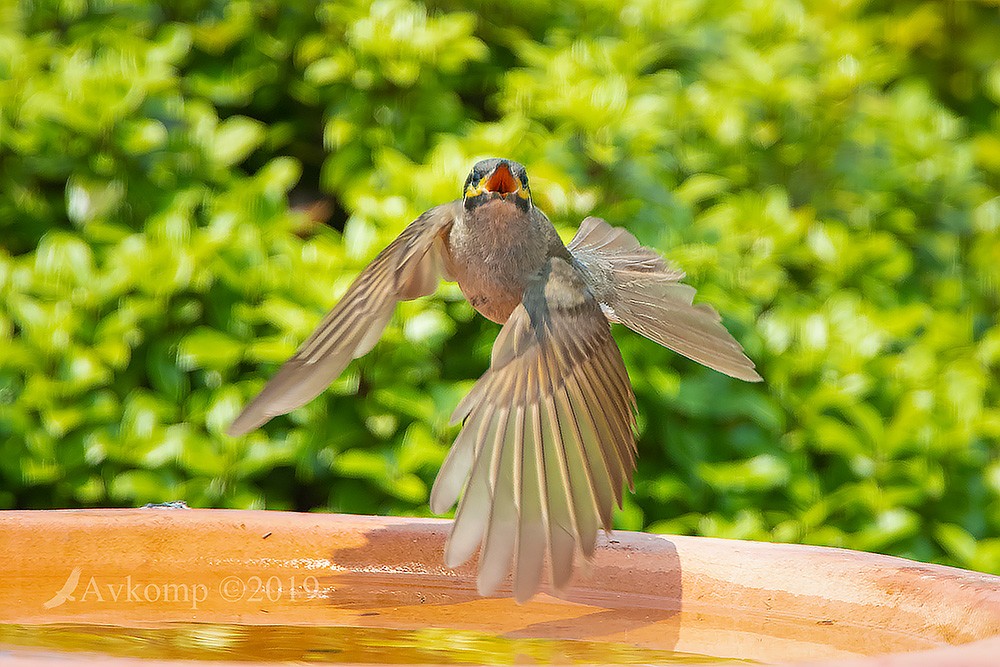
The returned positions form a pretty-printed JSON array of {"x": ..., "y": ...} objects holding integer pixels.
[{"x": 201, "y": 641}]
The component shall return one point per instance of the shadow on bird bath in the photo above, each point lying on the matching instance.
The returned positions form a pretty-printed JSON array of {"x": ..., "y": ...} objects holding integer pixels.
[{"x": 386, "y": 570}]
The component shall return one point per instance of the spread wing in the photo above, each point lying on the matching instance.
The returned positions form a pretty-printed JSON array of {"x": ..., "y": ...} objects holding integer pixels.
[
  {"x": 408, "y": 268},
  {"x": 640, "y": 290},
  {"x": 547, "y": 443}
]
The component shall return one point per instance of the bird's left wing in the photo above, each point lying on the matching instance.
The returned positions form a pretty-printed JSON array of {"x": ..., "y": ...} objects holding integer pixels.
[
  {"x": 408, "y": 268},
  {"x": 643, "y": 292},
  {"x": 547, "y": 444}
]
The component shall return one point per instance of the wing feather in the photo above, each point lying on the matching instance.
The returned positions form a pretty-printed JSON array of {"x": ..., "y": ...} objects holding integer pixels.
[
  {"x": 405, "y": 269},
  {"x": 641, "y": 290}
]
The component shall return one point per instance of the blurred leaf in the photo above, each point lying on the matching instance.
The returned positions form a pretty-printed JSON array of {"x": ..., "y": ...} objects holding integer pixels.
[
  {"x": 208, "y": 348},
  {"x": 235, "y": 138}
]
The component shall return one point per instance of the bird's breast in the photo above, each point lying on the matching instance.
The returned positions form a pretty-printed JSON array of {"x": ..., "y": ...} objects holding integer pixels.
[{"x": 493, "y": 252}]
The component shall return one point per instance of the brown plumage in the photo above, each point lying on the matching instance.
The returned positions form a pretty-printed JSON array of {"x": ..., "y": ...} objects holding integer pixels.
[{"x": 547, "y": 442}]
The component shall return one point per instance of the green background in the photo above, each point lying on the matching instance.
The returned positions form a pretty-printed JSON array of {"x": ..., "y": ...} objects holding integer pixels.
[{"x": 185, "y": 189}]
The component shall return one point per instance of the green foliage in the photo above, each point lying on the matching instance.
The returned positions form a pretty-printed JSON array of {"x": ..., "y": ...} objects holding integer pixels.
[{"x": 828, "y": 175}]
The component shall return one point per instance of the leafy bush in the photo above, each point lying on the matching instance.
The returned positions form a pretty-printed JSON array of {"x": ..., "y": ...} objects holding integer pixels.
[{"x": 185, "y": 188}]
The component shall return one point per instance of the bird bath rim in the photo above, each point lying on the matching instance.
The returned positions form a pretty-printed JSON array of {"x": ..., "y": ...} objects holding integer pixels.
[{"x": 770, "y": 602}]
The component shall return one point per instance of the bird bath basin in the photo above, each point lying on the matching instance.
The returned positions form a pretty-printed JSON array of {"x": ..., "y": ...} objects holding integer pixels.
[{"x": 153, "y": 585}]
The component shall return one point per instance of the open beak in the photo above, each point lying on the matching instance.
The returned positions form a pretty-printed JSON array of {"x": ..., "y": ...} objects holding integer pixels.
[{"x": 501, "y": 181}]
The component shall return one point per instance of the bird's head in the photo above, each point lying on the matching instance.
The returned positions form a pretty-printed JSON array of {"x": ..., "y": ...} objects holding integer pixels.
[{"x": 497, "y": 178}]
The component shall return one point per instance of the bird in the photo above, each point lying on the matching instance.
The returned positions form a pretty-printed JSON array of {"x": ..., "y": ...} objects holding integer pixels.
[{"x": 547, "y": 442}]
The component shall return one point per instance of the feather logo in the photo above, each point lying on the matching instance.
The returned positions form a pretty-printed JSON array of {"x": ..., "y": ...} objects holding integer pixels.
[{"x": 66, "y": 592}]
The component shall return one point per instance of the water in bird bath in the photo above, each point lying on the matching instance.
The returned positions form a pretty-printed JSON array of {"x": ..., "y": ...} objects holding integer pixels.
[{"x": 284, "y": 643}]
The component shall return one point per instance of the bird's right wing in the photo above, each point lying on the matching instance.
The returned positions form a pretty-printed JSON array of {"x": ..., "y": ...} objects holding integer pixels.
[
  {"x": 642, "y": 291},
  {"x": 547, "y": 443},
  {"x": 409, "y": 267}
]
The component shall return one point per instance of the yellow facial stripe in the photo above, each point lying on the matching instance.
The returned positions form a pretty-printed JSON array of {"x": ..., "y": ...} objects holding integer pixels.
[{"x": 476, "y": 190}]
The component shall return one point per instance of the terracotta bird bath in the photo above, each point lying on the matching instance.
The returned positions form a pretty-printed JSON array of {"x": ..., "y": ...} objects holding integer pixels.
[{"x": 158, "y": 586}]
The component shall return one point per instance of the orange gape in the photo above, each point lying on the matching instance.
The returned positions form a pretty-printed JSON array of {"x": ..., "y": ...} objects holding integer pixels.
[{"x": 502, "y": 181}]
